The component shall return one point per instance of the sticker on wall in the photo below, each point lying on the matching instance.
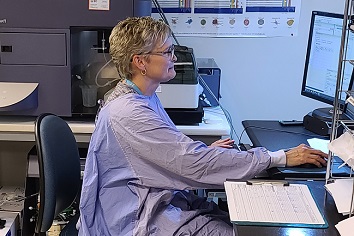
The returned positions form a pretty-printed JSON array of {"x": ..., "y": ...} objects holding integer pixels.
[{"x": 102, "y": 5}]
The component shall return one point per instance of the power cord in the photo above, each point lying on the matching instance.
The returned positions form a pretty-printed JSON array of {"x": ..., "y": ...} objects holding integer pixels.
[
  {"x": 227, "y": 114},
  {"x": 163, "y": 17}
]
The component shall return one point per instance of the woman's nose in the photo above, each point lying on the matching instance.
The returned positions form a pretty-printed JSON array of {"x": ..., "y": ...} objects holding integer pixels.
[{"x": 174, "y": 58}]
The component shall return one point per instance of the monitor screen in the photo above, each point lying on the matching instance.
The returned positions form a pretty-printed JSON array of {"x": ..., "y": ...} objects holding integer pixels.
[{"x": 322, "y": 58}]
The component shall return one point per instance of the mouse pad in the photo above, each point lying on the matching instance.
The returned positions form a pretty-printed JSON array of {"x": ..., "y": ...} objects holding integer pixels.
[{"x": 300, "y": 172}]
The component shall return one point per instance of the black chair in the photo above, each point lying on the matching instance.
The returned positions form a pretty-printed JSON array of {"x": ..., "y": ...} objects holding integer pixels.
[{"x": 59, "y": 172}]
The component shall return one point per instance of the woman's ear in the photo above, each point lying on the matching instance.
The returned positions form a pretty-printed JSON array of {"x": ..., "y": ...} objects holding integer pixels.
[{"x": 139, "y": 62}]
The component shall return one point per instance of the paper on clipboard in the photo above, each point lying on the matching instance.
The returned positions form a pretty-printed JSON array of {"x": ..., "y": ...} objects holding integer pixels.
[{"x": 272, "y": 204}]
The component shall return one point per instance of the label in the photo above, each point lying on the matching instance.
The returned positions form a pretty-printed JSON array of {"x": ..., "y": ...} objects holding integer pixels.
[{"x": 102, "y": 5}]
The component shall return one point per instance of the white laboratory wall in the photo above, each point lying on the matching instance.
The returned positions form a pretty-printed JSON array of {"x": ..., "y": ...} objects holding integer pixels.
[{"x": 261, "y": 77}]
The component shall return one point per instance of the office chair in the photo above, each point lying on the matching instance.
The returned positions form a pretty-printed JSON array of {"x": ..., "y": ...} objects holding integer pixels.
[{"x": 59, "y": 171}]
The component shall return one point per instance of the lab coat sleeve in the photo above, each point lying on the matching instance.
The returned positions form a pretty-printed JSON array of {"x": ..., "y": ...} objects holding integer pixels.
[{"x": 164, "y": 157}]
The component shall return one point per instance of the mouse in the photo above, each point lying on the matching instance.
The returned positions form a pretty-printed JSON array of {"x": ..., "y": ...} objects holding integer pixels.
[{"x": 307, "y": 166}]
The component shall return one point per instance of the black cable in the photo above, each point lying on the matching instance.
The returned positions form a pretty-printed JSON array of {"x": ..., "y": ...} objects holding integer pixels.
[
  {"x": 239, "y": 140},
  {"x": 227, "y": 114},
  {"x": 161, "y": 13},
  {"x": 163, "y": 17}
]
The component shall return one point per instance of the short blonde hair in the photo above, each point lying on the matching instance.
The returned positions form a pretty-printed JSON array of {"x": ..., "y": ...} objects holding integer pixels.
[{"x": 135, "y": 36}]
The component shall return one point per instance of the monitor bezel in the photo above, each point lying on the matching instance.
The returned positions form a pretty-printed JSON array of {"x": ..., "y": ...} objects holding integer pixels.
[{"x": 329, "y": 101}]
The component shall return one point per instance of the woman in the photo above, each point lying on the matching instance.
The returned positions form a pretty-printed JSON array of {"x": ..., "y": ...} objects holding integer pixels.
[{"x": 140, "y": 168}]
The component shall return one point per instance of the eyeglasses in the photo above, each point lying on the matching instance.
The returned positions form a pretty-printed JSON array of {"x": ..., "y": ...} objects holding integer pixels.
[{"x": 170, "y": 53}]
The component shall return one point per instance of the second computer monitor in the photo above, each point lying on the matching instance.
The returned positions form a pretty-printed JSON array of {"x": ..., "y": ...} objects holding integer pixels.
[{"x": 322, "y": 60}]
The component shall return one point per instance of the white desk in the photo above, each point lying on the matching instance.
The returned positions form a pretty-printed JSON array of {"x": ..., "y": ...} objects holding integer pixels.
[
  {"x": 12, "y": 222},
  {"x": 17, "y": 138},
  {"x": 18, "y": 128}
]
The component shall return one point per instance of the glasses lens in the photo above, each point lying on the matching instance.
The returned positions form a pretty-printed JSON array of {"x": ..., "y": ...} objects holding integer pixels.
[{"x": 172, "y": 51}]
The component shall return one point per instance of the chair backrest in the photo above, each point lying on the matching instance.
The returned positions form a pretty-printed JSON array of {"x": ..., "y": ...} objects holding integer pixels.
[{"x": 59, "y": 168}]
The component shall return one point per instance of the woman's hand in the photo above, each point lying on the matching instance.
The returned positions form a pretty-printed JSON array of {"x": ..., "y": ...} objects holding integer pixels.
[
  {"x": 225, "y": 143},
  {"x": 304, "y": 154}
]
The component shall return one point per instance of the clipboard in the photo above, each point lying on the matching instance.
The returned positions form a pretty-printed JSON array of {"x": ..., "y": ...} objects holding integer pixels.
[{"x": 272, "y": 203}]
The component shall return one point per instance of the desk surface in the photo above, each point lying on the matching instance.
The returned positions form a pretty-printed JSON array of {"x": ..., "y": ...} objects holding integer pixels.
[
  {"x": 10, "y": 225},
  {"x": 273, "y": 136},
  {"x": 326, "y": 206},
  {"x": 17, "y": 128}
]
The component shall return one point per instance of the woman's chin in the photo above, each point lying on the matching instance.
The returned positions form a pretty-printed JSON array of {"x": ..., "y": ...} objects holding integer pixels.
[
  {"x": 172, "y": 74},
  {"x": 168, "y": 79}
]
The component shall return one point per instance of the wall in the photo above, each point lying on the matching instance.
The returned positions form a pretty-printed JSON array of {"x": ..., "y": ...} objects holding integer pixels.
[{"x": 261, "y": 77}]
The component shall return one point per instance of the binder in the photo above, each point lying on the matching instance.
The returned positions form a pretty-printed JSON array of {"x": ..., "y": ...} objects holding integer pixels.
[{"x": 272, "y": 203}]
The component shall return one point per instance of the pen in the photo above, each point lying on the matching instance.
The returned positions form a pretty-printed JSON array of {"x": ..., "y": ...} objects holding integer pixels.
[
  {"x": 342, "y": 165},
  {"x": 259, "y": 182},
  {"x": 256, "y": 182},
  {"x": 345, "y": 162}
]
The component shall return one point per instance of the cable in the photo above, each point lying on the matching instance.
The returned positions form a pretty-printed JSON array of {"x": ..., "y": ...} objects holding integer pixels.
[
  {"x": 103, "y": 48},
  {"x": 227, "y": 114},
  {"x": 163, "y": 17},
  {"x": 96, "y": 77}
]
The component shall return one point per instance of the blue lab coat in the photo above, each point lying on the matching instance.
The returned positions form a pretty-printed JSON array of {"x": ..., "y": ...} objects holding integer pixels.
[{"x": 140, "y": 168}]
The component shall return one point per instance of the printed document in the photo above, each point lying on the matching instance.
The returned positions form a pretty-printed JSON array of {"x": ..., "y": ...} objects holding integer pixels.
[
  {"x": 342, "y": 193},
  {"x": 272, "y": 204},
  {"x": 345, "y": 227}
]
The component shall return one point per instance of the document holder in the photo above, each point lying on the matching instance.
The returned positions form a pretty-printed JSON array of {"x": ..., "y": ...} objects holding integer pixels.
[{"x": 272, "y": 203}]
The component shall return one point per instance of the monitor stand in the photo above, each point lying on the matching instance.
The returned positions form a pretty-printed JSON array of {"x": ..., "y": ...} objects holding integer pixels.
[
  {"x": 319, "y": 121},
  {"x": 326, "y": 114}
]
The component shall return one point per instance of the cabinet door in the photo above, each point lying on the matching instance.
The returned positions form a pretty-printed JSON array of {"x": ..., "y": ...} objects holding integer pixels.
[{"x": 33, "y": 49}]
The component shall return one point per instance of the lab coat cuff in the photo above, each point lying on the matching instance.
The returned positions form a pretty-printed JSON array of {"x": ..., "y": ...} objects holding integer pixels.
[{"x": 277, "y": 159}]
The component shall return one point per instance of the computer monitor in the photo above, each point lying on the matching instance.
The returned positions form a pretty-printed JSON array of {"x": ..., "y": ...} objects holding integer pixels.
[{"x": 321, "y": 65}]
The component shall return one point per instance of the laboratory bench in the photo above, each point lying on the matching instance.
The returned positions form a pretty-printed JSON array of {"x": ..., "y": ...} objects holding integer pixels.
[
  {"x": 17, "y": 139},
  {"x": 12, "y": 223},
  {"x": 213, "y": 127}
]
